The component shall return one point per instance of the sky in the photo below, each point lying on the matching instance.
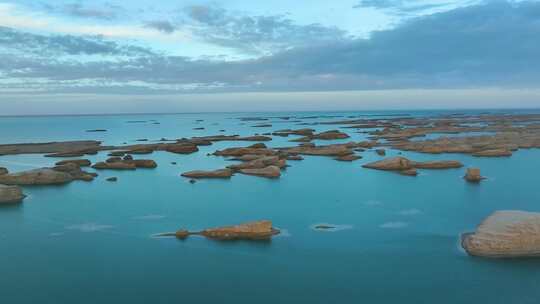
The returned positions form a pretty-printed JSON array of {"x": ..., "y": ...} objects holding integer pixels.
[{"x": 75, "y": 56}]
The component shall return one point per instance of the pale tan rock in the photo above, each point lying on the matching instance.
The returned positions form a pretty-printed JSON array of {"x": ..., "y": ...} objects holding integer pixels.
[
  {"x": 182, "y": 148},
  {"x": 249, "y": 231},
  {"x": 391, "y": 164},
  {"x": 350, "y": 157},
  {"x": 75, "y": 171},
  {"x": 259, "y": 163},
  {"x": 409, "y": 172},
  {"x": 10, "y": 194},
  {"x": 438, "y": 164},
  {"x": 473, "y": 175},
  {"x": 43, "y": 176},
  {"x": 79, "y": 162},
  {"x": 493, "y": 153},
  {"x": 270, "y": 172},
  {"x": 505, "y": 234},
  {"x": 221, "y": 173},
  {"x": 119, "y": 165}
]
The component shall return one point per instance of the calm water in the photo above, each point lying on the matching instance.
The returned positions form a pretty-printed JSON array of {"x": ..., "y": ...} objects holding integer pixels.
[{"x": 91, "y": 242}]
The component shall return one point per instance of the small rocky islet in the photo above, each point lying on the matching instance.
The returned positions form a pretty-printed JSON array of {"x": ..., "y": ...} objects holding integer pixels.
[
  {"x": 502, "y": 234},
  {"x": 505, "y": 234}
]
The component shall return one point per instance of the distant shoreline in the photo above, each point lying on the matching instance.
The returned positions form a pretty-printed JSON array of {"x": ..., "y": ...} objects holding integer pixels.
[{"x": 393, "y": 111}]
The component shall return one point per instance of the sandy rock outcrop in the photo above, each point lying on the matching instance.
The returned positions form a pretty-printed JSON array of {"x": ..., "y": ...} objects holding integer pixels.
[
  {"x": 79, "y": 162},
  {"x": 182, "y": 149},
  {"x": 259, "y": 163},
  {"x": 43, "y": 176},
  {"x": 473, "y": 175},
  {"x": 142, "y": 163},
  {"x": 505, "y": 234},
  {"x": 391, "y": 164},
  {"x": 270, "y": 172},
  {"x": 438, "y": 164},
  {"x": 287, "y": 132},
  {"x": 259, "y": 230},
  {"x": 234, "y": 138},
  {"x": 118, "y": 165},
  {"x": 325, "y": 150},
  {"x": 221, "y": 173},
  {"x": 51, "y": 147},
  {"x": 405, "y": 166},
  {"x": 10, "y": 194},
  {"x": 409, "y": 172},
  {"x": 349, "y": 158},
  {"x": 327, "y": 135},
  {"x": 493, "y": 153},
  {"x": 75, "y": 171},
  {"x": 257, "y": 149}
]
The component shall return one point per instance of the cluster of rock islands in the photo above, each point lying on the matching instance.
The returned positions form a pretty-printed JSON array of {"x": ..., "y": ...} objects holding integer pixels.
[{"x": 508, "y": 233}]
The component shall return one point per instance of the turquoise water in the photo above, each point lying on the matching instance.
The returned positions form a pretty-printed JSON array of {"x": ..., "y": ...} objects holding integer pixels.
[{"x": 91, "y": 242}]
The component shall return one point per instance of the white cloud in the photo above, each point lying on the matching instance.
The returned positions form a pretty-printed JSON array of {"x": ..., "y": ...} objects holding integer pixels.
[{"x": 21, "y": 18}]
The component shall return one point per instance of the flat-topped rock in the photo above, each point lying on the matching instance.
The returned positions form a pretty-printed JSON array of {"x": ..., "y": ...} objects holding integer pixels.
[
  {"x": 327, "y": 135},
  {"x": 234, "y": 138},
  {"x": 249, "y": 231},
  {"x": 505, "y": 234},
  {"x": 259, "y": 163},
  {"x": 79, "y": 162},
  {"x": 221, "y": 173},
  {"x": 118, "y": 165},
  {"x": 257, "y": 149},
  {"x": 43, "y": 176},
  {"x": 141, "y": 163},
  {"x": 409, "y": 172},
  {"x": 287, "y": 132},
  {"x": 493, "y": 153},
  {"x": 11, "y": 194},
  {"x": 438, "y": 164},
  {"x": 259, "y": 230},
  {"x": 270, "y": 172},
  {"x": 473, "y": 175},
  {"x": 75, "y": 171},
  {"x": 350, "y": 157},
  {"x": 324, "y": 150},
  {"x": 50, "y": 147},
  {"x": 408, "y": 167},
  {"x": 182, "y": 148},
  {"x": 3, "y": 171},
  {"x": 74, "y": 153},
  {"x": 391, "y": 164}
]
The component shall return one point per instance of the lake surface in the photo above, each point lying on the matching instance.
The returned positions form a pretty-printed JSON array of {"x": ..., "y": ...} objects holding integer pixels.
[{"x": 399, "y": 242}]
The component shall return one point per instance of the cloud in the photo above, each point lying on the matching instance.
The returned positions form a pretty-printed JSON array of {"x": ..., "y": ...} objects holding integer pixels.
[
  {"x": 408, "y": 7},
  {"x": 256, "y": 34},
  {"x": 105, "y": 11},
  {"x": 489, "y": 45},
  {"x": 17, "y": 43},
  {"x": 162, "y": 26}
]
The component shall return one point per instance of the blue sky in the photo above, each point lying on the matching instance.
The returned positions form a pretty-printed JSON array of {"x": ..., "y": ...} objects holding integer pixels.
[{"x": 171, "y": 53}]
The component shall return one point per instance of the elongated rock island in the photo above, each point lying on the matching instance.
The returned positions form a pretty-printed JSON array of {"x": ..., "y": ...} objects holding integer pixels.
[{"x": 258, "y": 230}]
